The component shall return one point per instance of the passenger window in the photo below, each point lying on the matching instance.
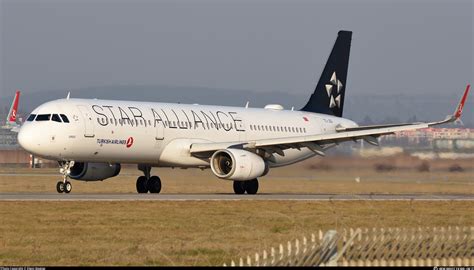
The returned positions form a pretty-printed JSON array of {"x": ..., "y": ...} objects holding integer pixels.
[
  {"x": 56, "y": 118},
  {"x": 31, "y": 117},
  {"x": 43, "y": 117}
]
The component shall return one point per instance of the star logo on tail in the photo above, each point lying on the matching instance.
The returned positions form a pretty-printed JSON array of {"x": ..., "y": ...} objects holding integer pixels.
[{"x": 333, "y": 88}]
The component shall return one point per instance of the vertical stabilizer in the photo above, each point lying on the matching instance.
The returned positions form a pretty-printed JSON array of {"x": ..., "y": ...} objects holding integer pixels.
[
  {"x": 11, "y": 117},
  {"x": 328, "y": 97}
]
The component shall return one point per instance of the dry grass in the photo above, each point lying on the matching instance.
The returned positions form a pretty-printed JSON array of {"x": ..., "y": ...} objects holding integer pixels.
[
  {"x": 211, "y": 233},
  {"x": 190, "y": 233}
]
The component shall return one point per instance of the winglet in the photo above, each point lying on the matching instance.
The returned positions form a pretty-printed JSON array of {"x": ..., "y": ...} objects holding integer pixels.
[{"x": 460, "y": 107}]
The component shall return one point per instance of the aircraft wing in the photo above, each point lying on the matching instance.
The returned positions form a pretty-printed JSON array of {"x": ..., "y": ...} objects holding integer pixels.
[
  {"x": 15, "y": 129},
  {"x": 318, "y": 143}
]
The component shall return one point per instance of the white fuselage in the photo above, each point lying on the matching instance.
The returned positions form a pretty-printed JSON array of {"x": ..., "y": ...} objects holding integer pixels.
[{"x": 160, "y": 134}]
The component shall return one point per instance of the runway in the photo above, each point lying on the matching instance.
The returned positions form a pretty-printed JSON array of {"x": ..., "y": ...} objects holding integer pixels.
[{"x": 231, "y": 197}]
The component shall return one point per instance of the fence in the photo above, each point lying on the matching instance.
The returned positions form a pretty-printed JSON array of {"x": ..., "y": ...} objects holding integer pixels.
[{"x": 422, "y": 246}]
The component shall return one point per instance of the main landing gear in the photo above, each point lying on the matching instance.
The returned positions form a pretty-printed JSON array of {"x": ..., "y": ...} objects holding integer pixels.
[
  {"x": 251, "y": 186},
  {"x": 148, "y": 183},
  {"x": 64, "y": 186}
]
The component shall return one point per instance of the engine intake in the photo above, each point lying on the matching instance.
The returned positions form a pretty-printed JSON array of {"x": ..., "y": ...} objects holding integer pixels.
[
  {"x": 237, "y": 164},
  {"x": 87, "y": 171}
]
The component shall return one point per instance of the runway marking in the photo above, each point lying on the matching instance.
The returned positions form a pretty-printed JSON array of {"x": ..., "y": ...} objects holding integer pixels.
[{"x": 232, "y": 197}]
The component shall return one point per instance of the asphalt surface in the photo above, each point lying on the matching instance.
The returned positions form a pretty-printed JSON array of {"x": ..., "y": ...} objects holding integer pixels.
[{"x": 230, "y": 197}]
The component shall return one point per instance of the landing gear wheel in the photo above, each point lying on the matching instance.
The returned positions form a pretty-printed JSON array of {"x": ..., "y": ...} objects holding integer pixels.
[
  {"x": 154, "y": 184},
  {"x": 67, "y": 187},
  {"x": 142, "y": 185},
  {"x": 251, "y": 186},
  {"x": 60, "y": 187},
  {"x": 239, "y": 187},
  {"x": 64, "y": 169}
]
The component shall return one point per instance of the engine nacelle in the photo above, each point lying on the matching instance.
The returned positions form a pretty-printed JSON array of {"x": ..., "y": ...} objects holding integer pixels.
[
  {"x": 87, "y": 171},
  {"x": 237, "y": 164}
]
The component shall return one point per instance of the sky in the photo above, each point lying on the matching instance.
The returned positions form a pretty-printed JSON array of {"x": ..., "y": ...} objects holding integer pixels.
[{"x": 406, "y": 47}]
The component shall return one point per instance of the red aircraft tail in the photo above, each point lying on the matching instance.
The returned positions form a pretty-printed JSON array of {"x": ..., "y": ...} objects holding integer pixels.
[{"x": 14, "y": 108}]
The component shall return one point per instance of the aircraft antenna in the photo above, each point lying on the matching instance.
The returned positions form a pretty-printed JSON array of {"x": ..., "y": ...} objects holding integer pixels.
[
  {"x": 247, "y": 105},
  {"x": 68, "y": 94}
]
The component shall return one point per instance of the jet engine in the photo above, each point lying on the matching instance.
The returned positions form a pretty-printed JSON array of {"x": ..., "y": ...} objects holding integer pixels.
[
  {"x": 237, "y": 165},
  {"x": 87, "y": 171}
]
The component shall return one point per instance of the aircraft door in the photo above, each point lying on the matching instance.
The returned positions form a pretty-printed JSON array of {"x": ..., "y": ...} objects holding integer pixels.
[{"x": 88, "y": 122}]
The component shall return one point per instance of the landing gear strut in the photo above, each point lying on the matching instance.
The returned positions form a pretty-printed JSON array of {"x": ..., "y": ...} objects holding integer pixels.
[
  {"x": 251, "y": 186},
  {"x": 148, "y": 183},
  {"x": 64, "y": 186}
]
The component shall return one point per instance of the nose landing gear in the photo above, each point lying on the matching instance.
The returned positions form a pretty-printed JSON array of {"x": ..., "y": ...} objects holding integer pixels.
[{"x": 64, "y": 186}]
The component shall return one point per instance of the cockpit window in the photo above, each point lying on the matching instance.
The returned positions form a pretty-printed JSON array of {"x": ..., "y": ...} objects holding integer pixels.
[
  {"x": 64, "y": 117},
  {"x": 56, "y": 118},
  {"x": 43, "y": 117},
  {"x": 31, "y": 117}
]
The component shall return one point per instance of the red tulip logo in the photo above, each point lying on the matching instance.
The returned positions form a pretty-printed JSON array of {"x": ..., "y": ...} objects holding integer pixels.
[{"x": 129, "y": 142}]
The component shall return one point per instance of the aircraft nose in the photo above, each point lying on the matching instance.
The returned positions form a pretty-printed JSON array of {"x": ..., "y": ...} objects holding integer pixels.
[{"x": 26, "y": 138}]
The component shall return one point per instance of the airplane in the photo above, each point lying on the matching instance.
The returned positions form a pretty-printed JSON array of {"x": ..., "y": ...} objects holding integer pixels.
[
  {"x": 91, "y": 138},
  {"x": 11, "y": 122}
]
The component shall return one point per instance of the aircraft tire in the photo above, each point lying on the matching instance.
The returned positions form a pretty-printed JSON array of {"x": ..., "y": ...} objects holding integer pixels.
[
  {"x": 142, "y": 185},
  {"x": 239, "y": 187},
  {"x": 154, "y": 184},
  {"x": 67, "y": 187},
  {"x": 60, "y": 187},
  {"x": 251, "y": 186}
]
